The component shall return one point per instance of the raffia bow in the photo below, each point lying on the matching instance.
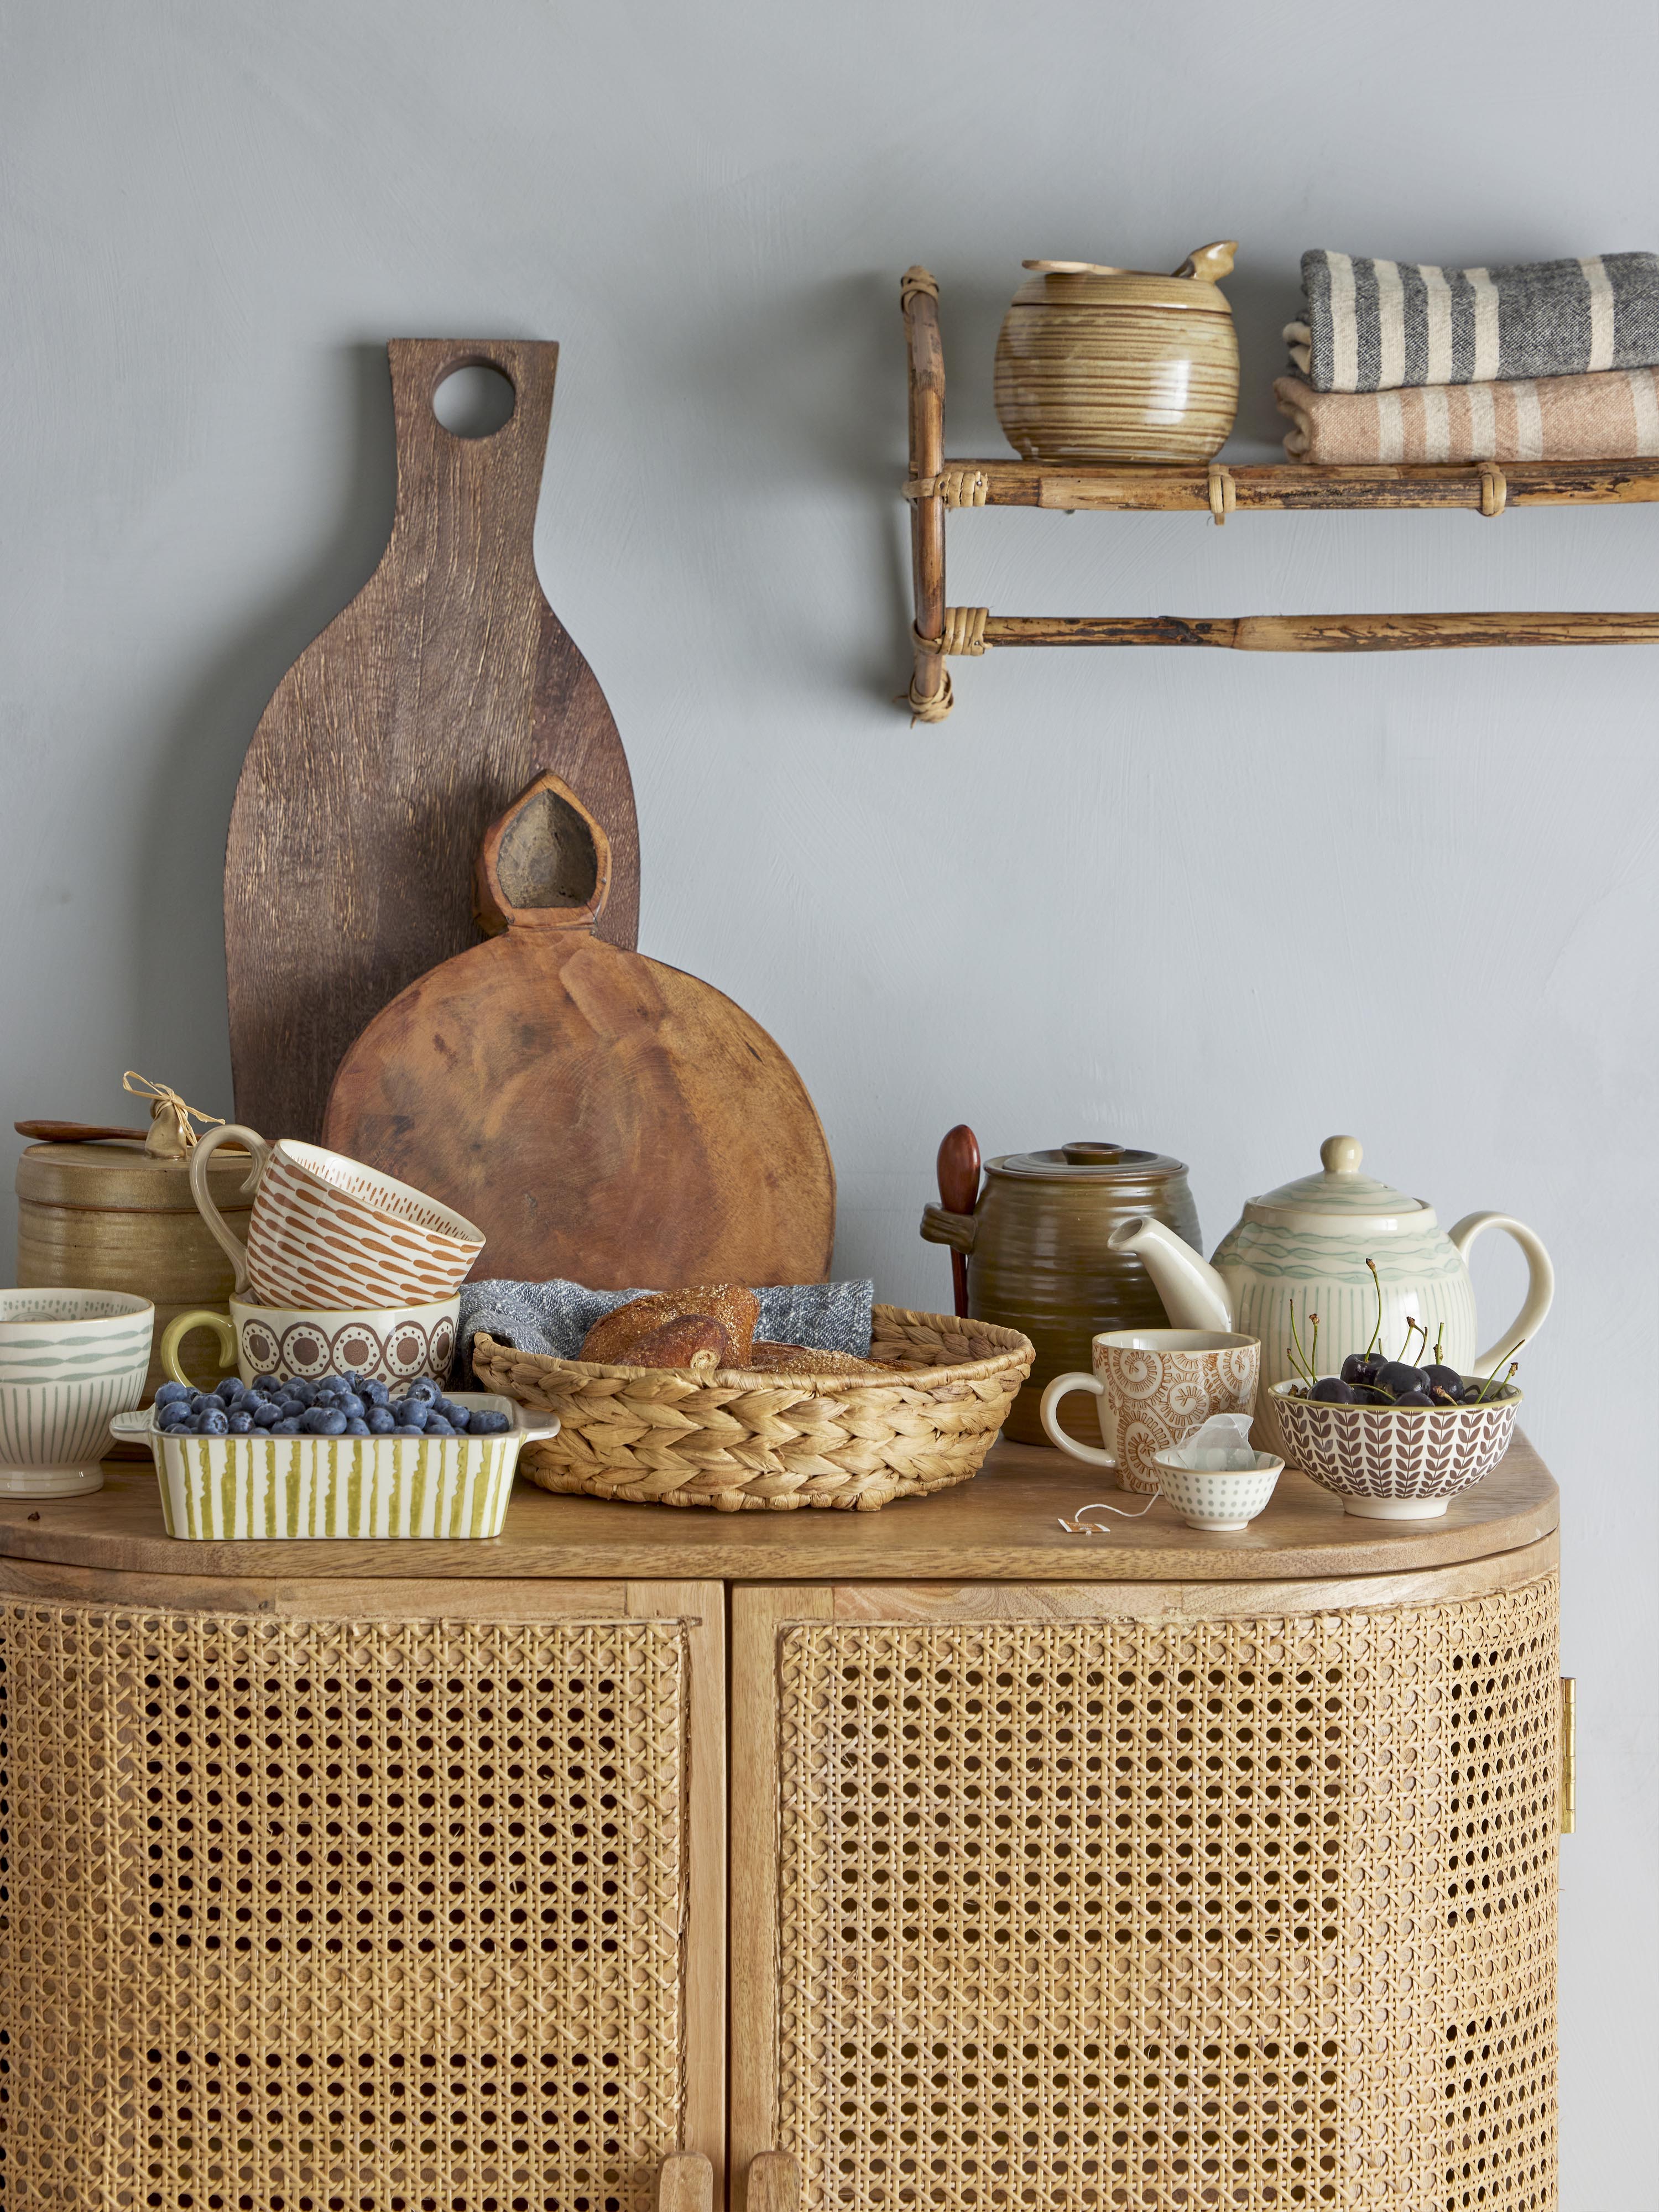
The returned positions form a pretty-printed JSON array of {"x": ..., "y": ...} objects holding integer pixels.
[{"x": 171, "y": 1137}]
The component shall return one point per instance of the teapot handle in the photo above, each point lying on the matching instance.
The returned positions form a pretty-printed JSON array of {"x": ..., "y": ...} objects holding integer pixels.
[{"x": 1541, "y": 1282}]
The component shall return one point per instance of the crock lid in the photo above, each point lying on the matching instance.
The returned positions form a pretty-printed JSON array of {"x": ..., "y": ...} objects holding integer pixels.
[
  {"x": 1340, "y": 1191},
  {"x": 1091, "y": 1160},
  {"x": 119, "y": 1174}
]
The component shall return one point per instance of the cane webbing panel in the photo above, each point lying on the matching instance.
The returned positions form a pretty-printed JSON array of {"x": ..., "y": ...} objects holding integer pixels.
[
  {"x": 1165, "y": 1917},
  {"x": 339, "y": 1916}
]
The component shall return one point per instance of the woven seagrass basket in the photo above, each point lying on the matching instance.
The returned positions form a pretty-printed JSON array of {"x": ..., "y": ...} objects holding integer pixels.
[{"x": 740, "y": 1440}]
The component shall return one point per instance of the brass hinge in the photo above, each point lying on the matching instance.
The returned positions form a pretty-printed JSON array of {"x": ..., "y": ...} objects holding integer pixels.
[{"x": 1569, "y": 1754}]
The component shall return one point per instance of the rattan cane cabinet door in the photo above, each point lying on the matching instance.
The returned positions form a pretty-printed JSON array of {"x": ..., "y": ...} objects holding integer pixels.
[
  {"x": 314, "y": 1912},
  {"x": 1078, "y": 1910}
]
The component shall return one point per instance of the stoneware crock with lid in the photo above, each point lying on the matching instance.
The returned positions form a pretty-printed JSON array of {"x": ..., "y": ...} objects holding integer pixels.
[
  {"x": 1040, "y": 1258},
  {"x": 1307, "y": 1242}
]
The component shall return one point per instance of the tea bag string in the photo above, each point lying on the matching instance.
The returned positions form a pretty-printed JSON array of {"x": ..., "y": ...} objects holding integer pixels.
[
  {"x": 1080, "y": 1527},
  {"x": 170, "y": 1134}
]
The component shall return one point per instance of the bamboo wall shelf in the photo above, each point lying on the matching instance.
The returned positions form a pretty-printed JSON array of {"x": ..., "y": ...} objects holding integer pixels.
[{"x": 935, "y": 485}]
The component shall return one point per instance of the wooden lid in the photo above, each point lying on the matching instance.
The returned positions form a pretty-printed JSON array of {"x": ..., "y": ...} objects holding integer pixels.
[{"x": 123, "y": 1175}]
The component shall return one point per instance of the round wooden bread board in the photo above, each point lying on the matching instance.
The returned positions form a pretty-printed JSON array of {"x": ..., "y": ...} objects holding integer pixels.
[{"x": 600, "y": 1115}]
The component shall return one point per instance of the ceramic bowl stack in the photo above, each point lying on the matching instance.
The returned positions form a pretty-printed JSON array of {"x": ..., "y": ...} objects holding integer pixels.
[
  {"x": 1396, "y": 1462},
  {"x": 69, "y": 1360}
]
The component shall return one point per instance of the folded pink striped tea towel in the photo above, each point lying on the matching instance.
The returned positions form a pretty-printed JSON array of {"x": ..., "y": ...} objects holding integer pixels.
[{"x": 1612, "y": 415}]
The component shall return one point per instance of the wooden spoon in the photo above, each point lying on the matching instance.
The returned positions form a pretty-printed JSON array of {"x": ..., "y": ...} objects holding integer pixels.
[
  {"x": 958, "y": 1192},
  {"x": 73, "y": 1132}
]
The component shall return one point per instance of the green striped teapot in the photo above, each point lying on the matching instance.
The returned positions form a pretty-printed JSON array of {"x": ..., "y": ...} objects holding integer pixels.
[{"x": 1305, "y": 1245}]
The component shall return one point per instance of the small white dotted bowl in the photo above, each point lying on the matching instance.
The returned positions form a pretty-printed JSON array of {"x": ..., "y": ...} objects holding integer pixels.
[{"x": 1208, "y": 1497}]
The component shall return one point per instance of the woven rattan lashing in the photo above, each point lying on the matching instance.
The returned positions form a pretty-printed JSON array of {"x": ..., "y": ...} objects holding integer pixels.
[
  {"x": 1161, "y": 1915},
  {"x": 339, "y": 1916},
  {"x": 738, "y": 1440}
]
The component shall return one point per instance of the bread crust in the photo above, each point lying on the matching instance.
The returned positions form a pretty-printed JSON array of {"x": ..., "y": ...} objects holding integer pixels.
[{"x": 612, "y": 1337}]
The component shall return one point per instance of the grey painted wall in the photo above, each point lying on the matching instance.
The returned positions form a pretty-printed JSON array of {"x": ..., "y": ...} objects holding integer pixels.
[{"x": 1222, "y": 904}]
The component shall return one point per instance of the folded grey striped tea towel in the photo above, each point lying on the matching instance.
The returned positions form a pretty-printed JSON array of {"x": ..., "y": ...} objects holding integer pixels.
[
  {"x": 554, "y": 1316},
  {"x": 1380, "y": 325}
]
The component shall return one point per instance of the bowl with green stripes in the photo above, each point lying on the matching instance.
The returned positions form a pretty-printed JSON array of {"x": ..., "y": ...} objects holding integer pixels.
[{"x": 69, "y": 1361}]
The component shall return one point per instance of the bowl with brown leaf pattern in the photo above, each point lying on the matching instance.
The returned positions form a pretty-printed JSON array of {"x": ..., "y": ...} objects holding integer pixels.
[{"x": 1396, "y": 1462}]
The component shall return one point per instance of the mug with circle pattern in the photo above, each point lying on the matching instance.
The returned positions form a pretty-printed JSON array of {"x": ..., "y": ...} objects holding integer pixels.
[
  {"x": 391, "y": 1345},
  {"x": 1155, "y": 1386}
]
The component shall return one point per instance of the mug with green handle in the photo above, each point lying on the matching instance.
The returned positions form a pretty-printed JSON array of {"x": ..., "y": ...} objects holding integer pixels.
[{"x": 392, "y": 1344}]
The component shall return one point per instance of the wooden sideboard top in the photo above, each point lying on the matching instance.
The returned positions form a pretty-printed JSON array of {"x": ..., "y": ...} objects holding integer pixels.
[{"x": 1001, "y": 1527}]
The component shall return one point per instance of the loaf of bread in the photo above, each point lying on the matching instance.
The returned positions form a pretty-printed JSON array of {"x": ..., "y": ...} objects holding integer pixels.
[
  {"x": 612, "y": 1337},
  {"x": 685, "y": 1341},
  {"x": 807, "y": 1359}
]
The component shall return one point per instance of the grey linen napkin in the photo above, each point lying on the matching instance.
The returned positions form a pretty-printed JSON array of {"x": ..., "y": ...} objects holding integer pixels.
[{"x": 553, "y": 1317}]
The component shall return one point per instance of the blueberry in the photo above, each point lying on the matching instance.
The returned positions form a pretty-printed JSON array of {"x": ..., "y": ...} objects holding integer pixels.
[
  {"x": 405, "y": 1431},
  {"x": 322, "y": 1421},
  {"x": 1331, "y": 1391},
  {"x": 265, "y": 1416},
  {"x": 485, "y": 1424},
  {"x": 355, "y": 1428},
  {"x": 426, "y": 1388},
  {"x": 351, "y": 1406},
  {"x": 264, "y": 1383},
  {"x": 379, "y": 1422},
  {"x": 230, "y": 1389},
  {"x": 437, "y": 1426},
  {"x": 172, "y": 1417},
  {"x": 297, "y": 1387},
  {"x": 211, "y": 1423},
  {"x": 171, "y": 1393},
  {"x": 240, "y": 1423},
  {"x": 375, "y": 1394},
  {"x": 408, "y": 1412},
  {"x": 286, "y": 1428}
]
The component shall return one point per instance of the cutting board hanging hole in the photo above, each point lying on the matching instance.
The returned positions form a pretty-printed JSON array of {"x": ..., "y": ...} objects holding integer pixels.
[
  {"x": 475, "y": 400},
  {"x": 545, "y": 864}
]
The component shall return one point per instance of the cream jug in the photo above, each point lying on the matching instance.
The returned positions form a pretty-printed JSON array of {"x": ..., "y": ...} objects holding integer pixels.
[{"x": 1305, "y": 1245}]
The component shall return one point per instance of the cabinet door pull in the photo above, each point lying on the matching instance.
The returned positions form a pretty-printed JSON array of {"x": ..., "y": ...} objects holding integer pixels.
[
  {"x": 685, "y": 2182},
  {"x": 774, "y": 2183}
]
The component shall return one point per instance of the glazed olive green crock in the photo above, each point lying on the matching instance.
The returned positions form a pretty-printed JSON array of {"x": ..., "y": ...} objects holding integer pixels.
[{"x": 1038, "y": 1261}]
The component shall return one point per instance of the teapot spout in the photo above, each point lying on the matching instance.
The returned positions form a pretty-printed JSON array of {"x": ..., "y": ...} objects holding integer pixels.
[{"x": 1193, "y": 1295}]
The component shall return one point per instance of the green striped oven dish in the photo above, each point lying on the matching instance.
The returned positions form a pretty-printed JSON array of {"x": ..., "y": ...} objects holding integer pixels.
[{"x": 255, "y": 1486}]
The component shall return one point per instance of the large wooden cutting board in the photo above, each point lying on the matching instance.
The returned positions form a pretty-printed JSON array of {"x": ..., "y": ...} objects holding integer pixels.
[
  {"x": 398, "y": 737},
  {"x": 599, "y": 1116}
]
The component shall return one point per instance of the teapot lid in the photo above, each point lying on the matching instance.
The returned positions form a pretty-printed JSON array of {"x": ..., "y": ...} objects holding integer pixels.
[
  {"x": 1090, "y": 1159},
  {"x": 1340, "y": 1191}
]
